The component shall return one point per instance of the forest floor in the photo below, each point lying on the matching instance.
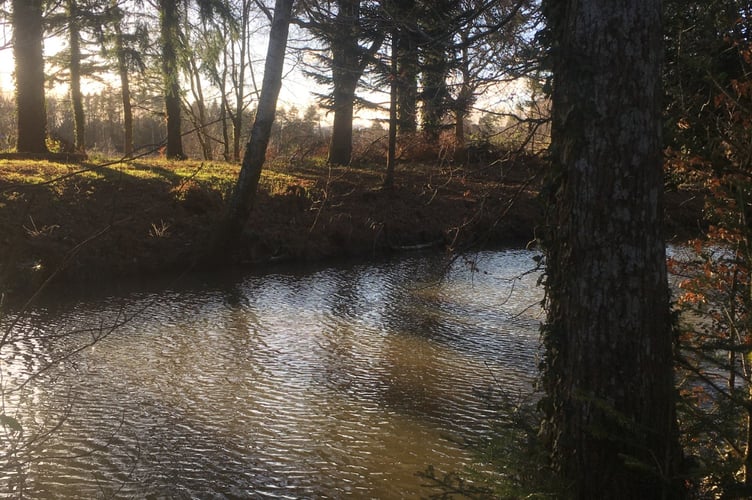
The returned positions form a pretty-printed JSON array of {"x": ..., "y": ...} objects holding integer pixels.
[{"x": 79, "y": 223}]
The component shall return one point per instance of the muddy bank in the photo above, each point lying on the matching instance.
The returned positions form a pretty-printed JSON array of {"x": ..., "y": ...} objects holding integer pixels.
[{"x": 84, "y": 223}]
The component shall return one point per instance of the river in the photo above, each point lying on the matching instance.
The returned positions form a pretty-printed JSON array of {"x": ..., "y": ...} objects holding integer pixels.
[{"x": 300, "y": 382}]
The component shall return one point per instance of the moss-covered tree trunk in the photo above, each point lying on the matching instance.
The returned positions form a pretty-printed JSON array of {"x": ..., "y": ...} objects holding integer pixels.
[
  {"x": 28, "y": 52},
  {"x": 608, "y": 364}
]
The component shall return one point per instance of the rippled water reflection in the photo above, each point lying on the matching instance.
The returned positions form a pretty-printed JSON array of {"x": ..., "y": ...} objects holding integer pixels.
[{"x": 320, "y": 383}]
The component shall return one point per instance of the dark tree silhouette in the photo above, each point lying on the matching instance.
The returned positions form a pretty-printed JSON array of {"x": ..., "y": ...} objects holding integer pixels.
[
  {"x": 28, "y": 31},
  {"x": 352, "y": 35},
  {"x": 169, "y": 22},
  {"x": 608, "y": 363}
]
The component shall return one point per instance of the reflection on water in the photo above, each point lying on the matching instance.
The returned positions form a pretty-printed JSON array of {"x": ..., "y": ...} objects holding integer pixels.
[{"x": 318, "y": 383}]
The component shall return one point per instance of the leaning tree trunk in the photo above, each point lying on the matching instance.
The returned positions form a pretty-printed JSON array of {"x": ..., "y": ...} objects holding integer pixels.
[
  {"x": 608, "y": 362},
  {"x": 29, "y": 55},
  {"x": 170, "y": 38},
  {"x": 244, "y": 194}
]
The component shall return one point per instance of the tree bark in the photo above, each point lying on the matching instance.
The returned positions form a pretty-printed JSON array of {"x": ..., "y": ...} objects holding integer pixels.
[
  {"x": 28, "y": 52},
  {"x": 125, "y": 91},
  {"x": 244, "y": 194},
  {"x": 239, "y": 79},
  {"x": 170, "y": 38},
  {"x": 345, "y": 76},
  {"x": 340, "y": 145},
  {"x": 198, "y": 116},
  {"x": 434, "y": 69},
  {"x": 392, "y": 146},
  {"x": 79, "y": 120},
  {"x": 465, "y": 97},
  {"x": 608, "y": 364},
  {"x": 407, "y": 70}
]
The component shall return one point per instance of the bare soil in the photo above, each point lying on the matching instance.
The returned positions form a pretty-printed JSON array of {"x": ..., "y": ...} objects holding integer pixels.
[{"x": 81, "y": 223}]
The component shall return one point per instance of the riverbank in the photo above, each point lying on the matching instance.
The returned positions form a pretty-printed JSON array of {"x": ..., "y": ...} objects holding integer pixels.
[{"x": 88, "y": 222}]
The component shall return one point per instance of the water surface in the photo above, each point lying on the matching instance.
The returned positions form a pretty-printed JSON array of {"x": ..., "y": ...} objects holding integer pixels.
[{"x": 320, "y": 382}]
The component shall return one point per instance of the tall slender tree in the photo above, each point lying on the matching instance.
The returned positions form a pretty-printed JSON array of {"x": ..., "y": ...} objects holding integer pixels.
[
  {"x": 74, "y": 42},
  {"x": 391, "y": 155},
  {"x": 608, "y": 363},
  {"x": 238, "y": 72},
  {"x": 125, "y": 42},
  {"x": 28, "y": 33}
]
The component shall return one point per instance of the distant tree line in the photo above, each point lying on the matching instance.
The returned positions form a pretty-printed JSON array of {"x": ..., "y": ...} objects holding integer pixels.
[
  {"x": 188, "y": 66},
  {"x": 295, "y": 131}
]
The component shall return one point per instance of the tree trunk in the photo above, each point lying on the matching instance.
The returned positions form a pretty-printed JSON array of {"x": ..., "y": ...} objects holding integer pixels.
[
  {"x": 435, "y": 67},
  {"x": 237, "y": 130},
  {"x": 608, "y": 362},
  {"x": 407, "y": 66},
  {"x": 244, "y": 194},
  {"x": 79, "y": 122},
  {"x": 407, "y": 91},
  {"x": 199, "y": 115},
  {"x": 435, "y": 92},
  {"x": 345, "y": 76},
  {"x": 465, "y": 97},
  {"x": 125, "y": 92},
  {"x": 170, "y": 38},
  {"x": 238, "y": 75},
  {"x": 392, "y": 147},
  {"x": 29, "y": 56},
  {"x": 225, "y": 131},
  {"x": 340, "y": 146}
]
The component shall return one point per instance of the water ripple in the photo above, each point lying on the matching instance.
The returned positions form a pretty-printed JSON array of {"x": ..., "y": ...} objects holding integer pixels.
[{"x": 325, "y": 383}]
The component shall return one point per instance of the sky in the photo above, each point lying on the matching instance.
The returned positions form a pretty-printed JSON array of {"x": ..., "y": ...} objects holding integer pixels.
[
  {"x": 296, "y": 88},
  {"x": 6, "y": 59}
]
